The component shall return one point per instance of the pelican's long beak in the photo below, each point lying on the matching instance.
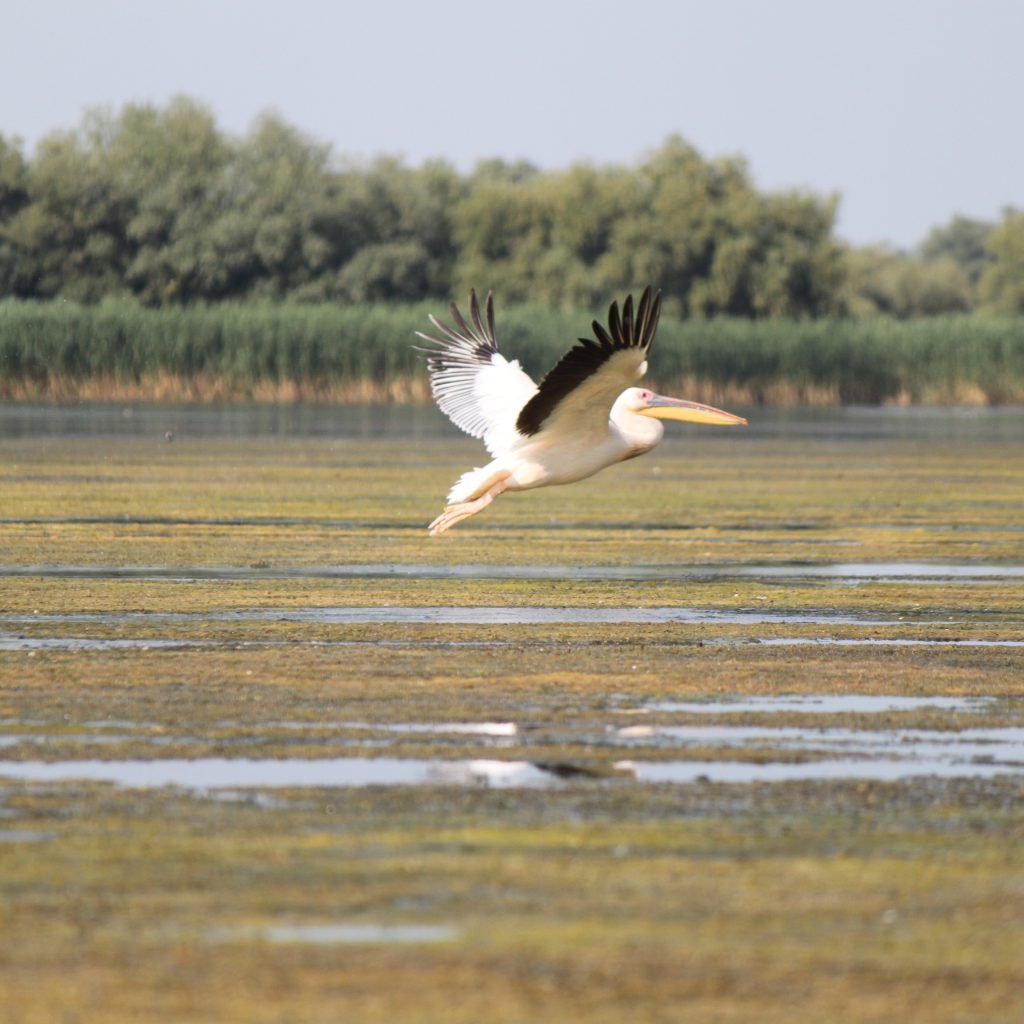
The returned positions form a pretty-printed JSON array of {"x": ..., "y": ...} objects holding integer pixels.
[{"x": 692, "y": 412}]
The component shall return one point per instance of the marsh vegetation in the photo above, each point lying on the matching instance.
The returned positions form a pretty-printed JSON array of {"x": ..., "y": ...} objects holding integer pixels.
[{"x": 352, "y": 352}]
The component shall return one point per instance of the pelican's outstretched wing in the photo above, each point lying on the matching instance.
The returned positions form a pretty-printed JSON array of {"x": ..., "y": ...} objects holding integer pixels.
[
  {"x": 476, "y": 387},
  {"x": 583, "y": 385}
]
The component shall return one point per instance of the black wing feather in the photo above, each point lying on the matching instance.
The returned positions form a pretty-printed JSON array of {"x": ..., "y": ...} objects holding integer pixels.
[
  {"x": 626, "y": 325},
  {"x": 477, "y": 342},
  {"x": 587, "y": 357},
  {"x": 455, "y": 358},
  {"x": 614, "y": 322},
  {"x": 604, "y": 339}
]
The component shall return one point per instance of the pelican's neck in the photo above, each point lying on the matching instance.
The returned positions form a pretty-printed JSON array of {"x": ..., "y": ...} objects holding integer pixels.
[{"x": 641, "y": 433}]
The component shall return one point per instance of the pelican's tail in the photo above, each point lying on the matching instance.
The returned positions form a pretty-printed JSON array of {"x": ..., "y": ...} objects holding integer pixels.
[{"x": 472, "y": 484}]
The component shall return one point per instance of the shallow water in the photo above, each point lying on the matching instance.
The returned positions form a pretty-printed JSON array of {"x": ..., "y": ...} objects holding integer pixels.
[
  {"x": 494, "y": 729},
  {"x": 927, "y": 745},
  {"x": 353, "y": 420},
  {"x": 465, "y": 615},
  {"x": 336, "y": 933},
  {"x": 901, "y": 571},
  {"x": 877, "y": 753},
  {"x": 533, "y": 615},
  {"x": 208, "y": 774},
  {"x": 683, "y": 772},
  {"x": 838, "y": 572},
  {"x": 817, "y": 641},
  {"x": 236, "y": 773},
  {"x": 24, "y": 835},
  {"x": 65, "y": 643},
  {"x": 823, "y": 703},
  {"x": 73, "y": 643}
]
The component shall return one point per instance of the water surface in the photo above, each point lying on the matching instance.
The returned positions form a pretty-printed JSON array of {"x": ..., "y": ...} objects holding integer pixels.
[
  {"x": 833, "y": 572},
  {"x": 355, "y": 420},
  {"x": 823, "y": 703}
]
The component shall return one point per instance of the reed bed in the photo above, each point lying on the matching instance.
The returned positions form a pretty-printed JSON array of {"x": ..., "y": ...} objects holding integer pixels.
[{"x": 283, "y": 352}]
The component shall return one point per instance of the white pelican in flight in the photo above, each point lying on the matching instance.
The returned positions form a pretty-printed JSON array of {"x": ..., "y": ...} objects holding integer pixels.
[{"x": 583, "y": 416}]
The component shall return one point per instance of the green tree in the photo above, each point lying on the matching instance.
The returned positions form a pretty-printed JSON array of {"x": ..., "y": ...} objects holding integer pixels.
[
  {"x": 1002, "y": 284},
  {"x": 884, "y": 282},
  {"x": 168, "y": 168},
  {"x": 540, "y": 237},
  {"x": 265, "y": 238},
  {"x": 586, "y": 204},
  {"x": 13, "y": 179},
  {"x": 13, "y": 197},
  {"x": 696, "y": 228},
  {"x": 502, "y": 227},
  {"x": 386, "y": 271},
  {"x": 406, "y": 247},
  {"x": 964, "y": 240},
  {"x": 158, "y": 204},
  {"x": 720, "y": 247},
  {"x": 70, "y": 238}
]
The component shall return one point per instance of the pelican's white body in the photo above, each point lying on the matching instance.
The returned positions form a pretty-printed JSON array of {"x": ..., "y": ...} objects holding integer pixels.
[{"x": 563, "y": 456}]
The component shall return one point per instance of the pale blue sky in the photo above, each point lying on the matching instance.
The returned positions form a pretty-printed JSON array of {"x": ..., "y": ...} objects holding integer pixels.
[{"x": 910, "y": 109}]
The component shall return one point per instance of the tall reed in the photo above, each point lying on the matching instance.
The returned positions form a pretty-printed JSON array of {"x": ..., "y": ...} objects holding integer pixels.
[{"x": 58, "y": 348}]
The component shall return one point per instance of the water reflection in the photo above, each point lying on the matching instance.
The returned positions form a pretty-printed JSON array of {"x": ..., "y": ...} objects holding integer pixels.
[{"x": 209, "y": 420}]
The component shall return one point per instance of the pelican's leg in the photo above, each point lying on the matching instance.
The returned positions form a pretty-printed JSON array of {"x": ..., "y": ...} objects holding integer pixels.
[{"x": 456, "y": 513}]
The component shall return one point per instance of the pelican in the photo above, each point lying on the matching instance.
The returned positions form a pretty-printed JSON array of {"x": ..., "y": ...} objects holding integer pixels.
[{"x": 584, "y": 415}]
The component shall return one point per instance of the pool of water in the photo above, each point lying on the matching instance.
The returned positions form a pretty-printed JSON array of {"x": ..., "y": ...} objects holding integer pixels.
[
  {"x": 817, "y": 641},
  {"x": 208, "y": 774},
  {"x": 823, "y": 753},
  {"x": 823, "y": 704},
  {"x": 336, "y": 933},
  {"x": 9, "y": 642},
  {"x": 464, "y": 615},
  {"x": 24, "y": 835},
  {"x": 237, "y": 773},
  {"x": 835, "y": 572}
]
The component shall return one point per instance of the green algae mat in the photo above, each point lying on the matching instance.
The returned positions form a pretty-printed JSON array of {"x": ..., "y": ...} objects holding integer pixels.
[{"x": 733, "y": 732}]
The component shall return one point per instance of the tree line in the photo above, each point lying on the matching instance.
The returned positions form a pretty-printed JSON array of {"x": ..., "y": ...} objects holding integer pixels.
[{"x": 158, "y": 206}]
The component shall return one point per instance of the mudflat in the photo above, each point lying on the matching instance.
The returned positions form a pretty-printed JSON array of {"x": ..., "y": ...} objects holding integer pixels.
[{"x": 731, "y": 732}]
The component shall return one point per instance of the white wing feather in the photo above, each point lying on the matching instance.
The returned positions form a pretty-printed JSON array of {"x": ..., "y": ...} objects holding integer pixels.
[
  {"x": 474, "y": 385},
  {"x": 500, "y": 391}
]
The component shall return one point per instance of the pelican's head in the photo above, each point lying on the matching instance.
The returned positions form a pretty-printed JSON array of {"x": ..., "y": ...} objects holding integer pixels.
[{"x": 647, "y": 403}]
